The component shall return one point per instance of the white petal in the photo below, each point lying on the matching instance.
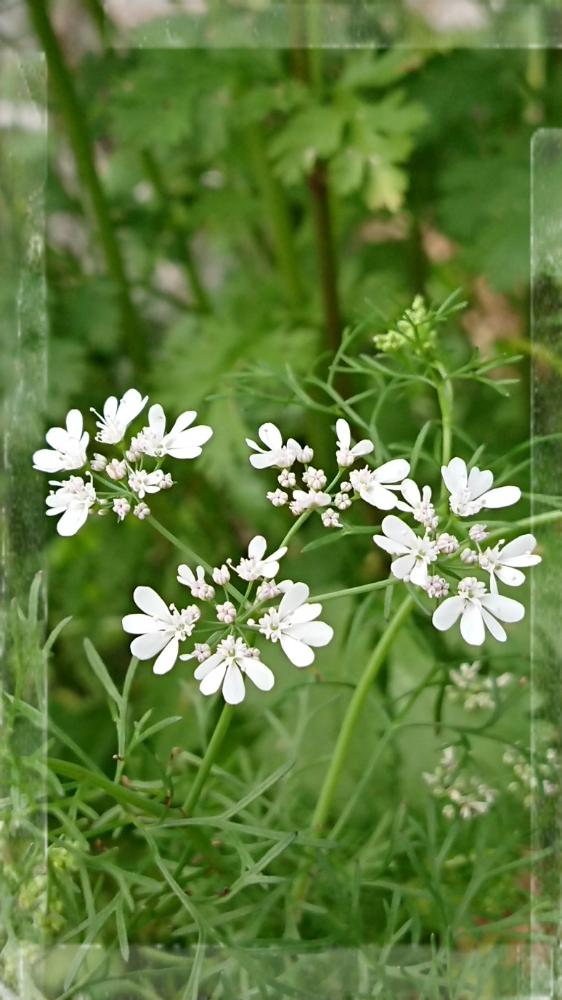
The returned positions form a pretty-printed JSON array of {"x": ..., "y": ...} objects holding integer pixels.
[
  {"x": 233, "y": 689},
  {"x": 364, "y": 447},
  {"x": 263, "y": 460},
  {"x": 157, "y": 419},
  {"x": 258, "y": 672},
  {"x": 419, "y": 573},
  {"x": 278, "y": 554},
  {"x": 390, "y": 546},
  {"x": 72, "y": 520},
  {"x": 74, "y": 423},
  {"x": 271, "y": 436},
  {"x": 184, "y": 421},
  {"x": 140, "y": 624},
  {"x": 479, "y": 481},
  {"x": 213, "y": 679},
  {"x": 378, "y": 496},
  {"x": 398, "y": 531},
  {"x": 269, "y": 569},
  {"x": 58, "y": 438},
  {"x": 511, "y": 577},
  {"x": 472, "y": 626},
  {"x": 257, "y": 547},
  {"x": 403, "y": 566},
  {"x": 504, "y": 608},
  {"x": 46, "y": 460},
  {"x": 447, "y": 613},
  {"x": 455, "y": 475},
  {"x": 411, "y": 492},
  {"x": 523, "y": 545},
  {"x": 293, "y": 597},
  {"x": 208, "y": 665},
  {"x": 151, "y": 603},
  {"x": 131, "y": 405},
  {"x": 312, "y": 633},
  {"x": 296, "y": 651},
  {"x": 343, "y": 434},
  {"x": 393, "y": 471},
  {"x": 306, "y": 613},
  {"x": 144, "y": 647},
  {"x": 185, "y": 575},
  {"x": 188, "y": 444},
  {"x": 502, "y": 496},
  {"x": 167, "y": 657},
  {"x": 493, "y": 626},
  {"x": 110, "y": 407}
]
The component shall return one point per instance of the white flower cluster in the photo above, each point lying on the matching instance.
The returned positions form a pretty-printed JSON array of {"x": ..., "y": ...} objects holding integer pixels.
[
  {"x": 478, "y": 608},
  {"x": 528, "y": 778},
  {"x": 474, "y": 691},
  {"x": 464, "y": 795},
  {"x": 74, "y": 498},
  {"x": 227, "y": 657},
  {"x": 376, "y": 486}
]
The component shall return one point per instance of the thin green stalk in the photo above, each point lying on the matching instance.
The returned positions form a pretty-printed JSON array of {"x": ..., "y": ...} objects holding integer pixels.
[
  {"x": 124, "y": 796},
  {"x": 77, "y": 130},
  {"x": 187, "y": 551},
  {"x": 444, "y": 391},
  {"x": 525, "y": 522},
  {"x": 225, "y": 718},
  {"x": 277, "y": 214},
  {"x": 364, "y": 588}
]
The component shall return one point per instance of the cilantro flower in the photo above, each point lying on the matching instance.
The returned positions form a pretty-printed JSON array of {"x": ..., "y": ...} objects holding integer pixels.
[
  {"x": 472, "y": 491},
  {"x": 503, "y": 561},
  {"x": 376, "y": 486},
  {"x": 182, "y": 441},
  {"x": 117, "y": 415},
  {"x": 276, "y": 454},
  {"x": 478, "y": 610},
  {"x": 414, "y": 553},
  {"x": 346, "y": 455},
  {"x": 227, "y": 668},
  {"x": 257, "y": 565},
  {"x": 293, "y": 625},
  {"x": 159, "y": 629},
  {"x": 67, "y": 447},
  {"x": 73, "y": 500},
  {"x": 418, "y": 503}
]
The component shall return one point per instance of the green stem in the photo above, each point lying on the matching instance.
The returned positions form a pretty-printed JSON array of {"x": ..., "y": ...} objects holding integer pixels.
[
  {"x": 325, "y": 251},
  {"x": 354, "y": 710},
  {"x": 124, "y": 796},
  {"x": 215, "y": 744},
  {"x": 365, "y": 588},
  {"x": 277, "y": 214},
  {"x": 187, "y": 551},
  {"x": 525, "y": 522},
  {"x": 80, "y": 141},
  {"x": 444, "y": 391}
]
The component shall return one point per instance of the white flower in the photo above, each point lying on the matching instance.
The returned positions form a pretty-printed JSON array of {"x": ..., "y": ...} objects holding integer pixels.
[
  {"x": 141, "y": 511},
  {"x": 226, "y": 612},
  {"x": 478, "y": 533},
  {"x": 195, "y": 582},
  {"x": 436, "y": 586},
  {"x": 221, "y": 575},
  {"x": 342, "y": 501},
  {"x": 276, "y": 453},
  {"x": 121, "y": 507},
  {"x": 305, "y": 454},
  {"x": 73, "y": 499},
  {"x": 418, "y": 504},
  {"x": 117, "y": 415},
  {"x": 257, "y": 565},
  {"x": 503, "y": 562},
  {"x": 142, "y": 482},
  {"x": 135, "y": 451},
  {"x": 469, "y": 557},
  {"x": 287, "y": 479},
  {"x": 68, "y": 447},
  {"x": 331, "y": 518},
  {"x": 167, "y": 481},
  {"x": 226, "y": 668},
  {"x": 293, "y": 625},
  {"x": 182, "y": 441},
  {"x": 471, "y": 492},
  {"x": 98, "y": 462},
  {"x": 345, "y": 454},
  {"x": 277, "y": 497},
  {"x": 315, "y": 479},
  {"x": 201, "y": 652},
  {"x": 447, "y": 543},
  {"x": 311, "y": 500},
  {"x": 478, "y": 611},
  {"x": 375, "y": 486},
  {"x": 160, "y": 629},
  {"x": 116, "y": 469},
  {"x": 414, "y": 553}
]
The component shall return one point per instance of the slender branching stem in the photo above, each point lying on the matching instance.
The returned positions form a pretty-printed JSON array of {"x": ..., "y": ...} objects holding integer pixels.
[{"x": 75, "y": 120}]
